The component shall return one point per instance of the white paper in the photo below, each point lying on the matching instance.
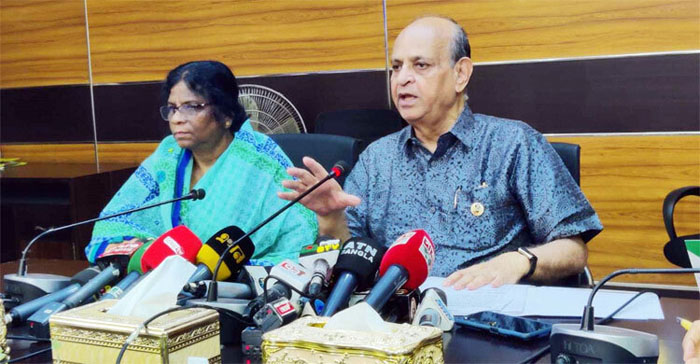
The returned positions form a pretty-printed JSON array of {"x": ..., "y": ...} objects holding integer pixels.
[
  {"x": 158, "y": 291},
  {"x": 347, "y": 319},
  {"x": 525, "y": 300}
]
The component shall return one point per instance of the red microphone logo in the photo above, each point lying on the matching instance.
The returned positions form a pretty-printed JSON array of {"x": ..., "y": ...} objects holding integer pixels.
[
  {"x": 292, "y": 268},
  {"x": 427, "y": 249},
  {"x": 283, "y": 307},
  {"x": 173, "y": 245}
]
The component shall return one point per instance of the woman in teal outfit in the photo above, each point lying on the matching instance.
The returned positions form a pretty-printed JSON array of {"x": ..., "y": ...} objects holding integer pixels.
[{"x": 212, "y": 147}]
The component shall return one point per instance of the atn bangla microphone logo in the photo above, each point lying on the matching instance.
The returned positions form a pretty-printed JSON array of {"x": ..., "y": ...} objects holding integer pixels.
[{"x": 360, "y": 249}]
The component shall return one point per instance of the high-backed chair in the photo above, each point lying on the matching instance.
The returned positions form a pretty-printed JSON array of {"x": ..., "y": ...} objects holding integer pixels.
[
  {"x": 570, "y": 154},
  {"x": 324, "y": 148},
  {"x": 366, "y": 125},
  {"x": 675, "y": 250}
]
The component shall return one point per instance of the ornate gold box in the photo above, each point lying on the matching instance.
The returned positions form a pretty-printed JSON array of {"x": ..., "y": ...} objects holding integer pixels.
[
  {"x": 306, "y": 341},
  {"x": 87, "y": 334}
]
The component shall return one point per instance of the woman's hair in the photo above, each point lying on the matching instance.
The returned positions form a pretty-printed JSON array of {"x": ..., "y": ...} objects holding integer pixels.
[{"x": 215, "y": 82}]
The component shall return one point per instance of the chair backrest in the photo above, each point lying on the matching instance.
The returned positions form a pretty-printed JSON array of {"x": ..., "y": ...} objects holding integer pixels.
[
  {"x": 675, "y": 250},
  {"x": 571, "y": 155},
  {"x": 324, "y": 148},
  {"x": 367, "y": 125}
]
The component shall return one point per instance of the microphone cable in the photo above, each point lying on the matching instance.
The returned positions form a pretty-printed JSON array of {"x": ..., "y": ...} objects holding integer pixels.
[
  {"x": 302, "y": 294},
  {"x": 135, "y": 333},
  {"x": 536, "y": 355},
  {"x": 41, "y": 351},
  {"x": 28, "y": 338}
]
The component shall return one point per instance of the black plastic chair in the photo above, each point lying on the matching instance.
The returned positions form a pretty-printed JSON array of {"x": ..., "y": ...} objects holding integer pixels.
[
  {"x": 675, "y": 250},
  {"x": 367, "y": 125},
  {"x": 570, "y": 154},
  {"x": 325, "y": 149}
]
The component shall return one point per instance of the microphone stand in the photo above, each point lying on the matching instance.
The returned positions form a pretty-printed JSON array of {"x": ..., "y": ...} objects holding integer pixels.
[
  {"x": 337, "y": 170},
  {"x": 23, "y": 282},
  {"x": 571, "y": 342}
]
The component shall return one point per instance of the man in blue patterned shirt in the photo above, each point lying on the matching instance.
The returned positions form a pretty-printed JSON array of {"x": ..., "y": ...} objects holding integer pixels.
[{"x": 491, "y": 192}]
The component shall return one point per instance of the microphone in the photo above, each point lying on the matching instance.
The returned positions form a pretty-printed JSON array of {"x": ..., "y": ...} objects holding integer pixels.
[
  {"x": 25, "y": 285},
  {"x": 320, "y": 257},
  {"x": 135, "y": 261},
  {"x": 179, "y": 240},
  {"x": 119, "y": 289},
  {"x": 338, "y": 169},
  {"x": 236, "y": 250},
  {"x": 225, "y": 289},
  {"x": 119, "y": 254},
  {"x": 21, "y": 312},
  {"x": 574, "y": 343},
  {"x": 433, "y": 311},
  {"x": 406, "y": 264},
  {"x": 39, "y": 321},
  {"x": 275, "y": 314},
  {"x": 216, "y": 247},
  {"x": 356, "y": 267},
  {"x": 290, "y": 276},
  {"x": 321, "y": 273},
  {"x": 323, "y": 244}
]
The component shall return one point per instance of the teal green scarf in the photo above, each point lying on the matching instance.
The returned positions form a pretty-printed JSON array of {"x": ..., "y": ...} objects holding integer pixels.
[{"x": 241, "y": 189}]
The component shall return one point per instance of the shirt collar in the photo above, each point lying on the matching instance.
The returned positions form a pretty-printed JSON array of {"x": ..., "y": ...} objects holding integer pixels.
[{"x": 463, "y": 130}]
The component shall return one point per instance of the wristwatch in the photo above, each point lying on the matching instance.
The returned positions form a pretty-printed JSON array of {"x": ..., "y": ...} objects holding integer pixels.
[{"x": 533, "y": 261}]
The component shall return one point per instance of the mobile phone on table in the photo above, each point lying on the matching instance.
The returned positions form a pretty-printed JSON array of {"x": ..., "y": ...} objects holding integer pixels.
[{"x": 510, "y": 326}]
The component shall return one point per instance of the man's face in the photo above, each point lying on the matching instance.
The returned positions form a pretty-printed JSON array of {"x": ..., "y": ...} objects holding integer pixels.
[{"x": 423, "y": 79}]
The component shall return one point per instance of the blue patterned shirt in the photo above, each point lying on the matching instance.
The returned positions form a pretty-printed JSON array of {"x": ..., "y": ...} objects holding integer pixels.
[{"x": 492, "y": 185}]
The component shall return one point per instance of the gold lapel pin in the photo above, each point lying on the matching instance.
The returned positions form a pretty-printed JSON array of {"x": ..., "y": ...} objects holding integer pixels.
[{"x": 477, "y": 209}]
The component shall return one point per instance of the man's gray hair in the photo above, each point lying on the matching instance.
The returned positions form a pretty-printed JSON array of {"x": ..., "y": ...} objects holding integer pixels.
[{"x": 459, "y": 46}]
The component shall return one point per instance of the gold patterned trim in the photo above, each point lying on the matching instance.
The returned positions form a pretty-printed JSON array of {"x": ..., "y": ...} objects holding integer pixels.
[
  {"x": 401, "y": 339},
  {"x": 100, "y": 338},
  {"x": 4, "y": 348},
  {"x": 193, "y": 336},
  {"x": 430, "y": 352},
  {"x": 143, "y": 343}
]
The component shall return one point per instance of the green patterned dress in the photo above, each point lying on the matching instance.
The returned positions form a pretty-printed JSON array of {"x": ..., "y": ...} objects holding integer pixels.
[{"x": 240, "y": 190}]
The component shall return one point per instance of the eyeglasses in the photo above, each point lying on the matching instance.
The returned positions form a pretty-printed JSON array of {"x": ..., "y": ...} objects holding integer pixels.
[{"x": 187, "y": 110}]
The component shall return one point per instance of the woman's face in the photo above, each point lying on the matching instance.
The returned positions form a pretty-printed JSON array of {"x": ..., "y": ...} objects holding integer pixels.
[{"x": 193, "y": 123}]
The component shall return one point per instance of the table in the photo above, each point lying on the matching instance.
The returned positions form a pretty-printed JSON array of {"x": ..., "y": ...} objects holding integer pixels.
[
  {"x": 461, "y": 345},
  {"x": 54, "y": 194}
]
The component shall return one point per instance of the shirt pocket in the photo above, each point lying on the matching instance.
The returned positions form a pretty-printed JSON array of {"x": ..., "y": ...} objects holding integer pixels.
[{"x": 481, "y": 216}]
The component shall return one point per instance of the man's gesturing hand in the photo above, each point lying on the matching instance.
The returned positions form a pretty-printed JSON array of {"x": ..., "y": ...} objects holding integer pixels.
[{"x": 326, "y": 199}]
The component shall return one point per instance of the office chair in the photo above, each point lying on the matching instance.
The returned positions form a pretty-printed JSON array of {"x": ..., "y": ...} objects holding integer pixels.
[
  {"x": 675, "y": 250},
  {"x": 570, "y": 154},
  {"x": 367, "y": 125},
  {"x": 325, "y": 149}
]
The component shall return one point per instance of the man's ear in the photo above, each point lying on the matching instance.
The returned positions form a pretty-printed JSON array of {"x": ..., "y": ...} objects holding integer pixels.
[{"x": 463, "y": 72}]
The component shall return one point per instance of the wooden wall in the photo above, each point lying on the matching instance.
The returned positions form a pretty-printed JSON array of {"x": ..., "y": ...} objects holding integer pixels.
[
  {"x": 44, "y": 42},
  {"x": 132, "y": 42},
  {"x": 626, "y": 178},
  {"x": 507, "y": 30},
  {"x": 44, "y": 56}
]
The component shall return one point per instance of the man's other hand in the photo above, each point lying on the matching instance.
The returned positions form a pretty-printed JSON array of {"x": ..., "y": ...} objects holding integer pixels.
[
  {"x": 691, "y": 344},
  {"x": 326, "y": 199},
  {"x": 506, "y": 268}
]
